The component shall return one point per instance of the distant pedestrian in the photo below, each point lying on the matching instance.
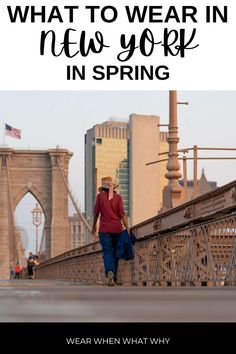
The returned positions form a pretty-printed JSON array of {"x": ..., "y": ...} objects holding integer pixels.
[
  {"x": 12, "y": 270},
  {"x": 17, "y": 271},
  {"x": 109, "y": 205},
  {"x": 30, "y": 265}
]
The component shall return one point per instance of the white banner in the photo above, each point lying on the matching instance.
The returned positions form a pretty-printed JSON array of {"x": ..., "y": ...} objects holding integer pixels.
[{"x": 117, "y": 45}]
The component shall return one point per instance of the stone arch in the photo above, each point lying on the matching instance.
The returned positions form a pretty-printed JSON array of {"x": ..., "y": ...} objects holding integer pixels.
[
  {"x": 35, "y": 193},
  {"x": 36, "y": 172}
]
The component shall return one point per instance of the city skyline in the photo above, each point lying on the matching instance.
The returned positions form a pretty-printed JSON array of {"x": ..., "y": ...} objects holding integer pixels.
[{"x": 51, "y": 118}]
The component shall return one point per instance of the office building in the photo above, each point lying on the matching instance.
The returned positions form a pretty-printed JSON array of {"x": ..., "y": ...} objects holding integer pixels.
[
  {"x": 79, "y": 234},
  {"x": 203, "y": 186},
  {"x": 121, "y": 150}
]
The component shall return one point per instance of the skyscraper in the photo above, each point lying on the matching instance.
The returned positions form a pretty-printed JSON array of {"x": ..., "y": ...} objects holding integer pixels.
[
  {"x": 121, "y": 150},
  {"x": 144, "y": 180},
  {"x": 106, "y": 154}
]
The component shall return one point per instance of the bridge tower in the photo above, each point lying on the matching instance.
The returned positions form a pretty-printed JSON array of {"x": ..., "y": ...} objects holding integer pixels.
[{"x": 37, "y": 172}]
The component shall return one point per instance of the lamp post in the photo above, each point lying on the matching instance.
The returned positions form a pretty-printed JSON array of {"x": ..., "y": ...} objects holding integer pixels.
[
  {"x": 37, "y": 221},
  {"x": 172, "y": 193}
]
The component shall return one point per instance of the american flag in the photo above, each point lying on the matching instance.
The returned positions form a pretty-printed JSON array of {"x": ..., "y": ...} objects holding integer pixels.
[{"x": 13, "y": 132}]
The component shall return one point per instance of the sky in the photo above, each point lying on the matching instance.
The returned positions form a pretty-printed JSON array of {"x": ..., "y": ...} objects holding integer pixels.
[{"x": 51, "y": 118}]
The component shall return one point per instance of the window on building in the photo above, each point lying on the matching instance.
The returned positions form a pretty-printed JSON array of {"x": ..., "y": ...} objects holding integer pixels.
[{"x": 99, "y": 141}]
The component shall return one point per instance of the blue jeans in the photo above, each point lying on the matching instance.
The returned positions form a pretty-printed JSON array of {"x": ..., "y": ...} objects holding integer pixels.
[{"x": 108, "y": 242}]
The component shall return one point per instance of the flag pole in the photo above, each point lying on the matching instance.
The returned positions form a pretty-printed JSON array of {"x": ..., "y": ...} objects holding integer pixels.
[{"x": 3, "y": 135}]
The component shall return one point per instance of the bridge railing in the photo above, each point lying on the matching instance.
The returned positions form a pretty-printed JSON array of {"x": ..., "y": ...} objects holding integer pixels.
[{"x": 193, "y": 255}]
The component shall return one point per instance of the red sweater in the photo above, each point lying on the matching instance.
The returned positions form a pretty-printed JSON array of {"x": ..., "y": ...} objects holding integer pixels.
[
  {"x": 110, "y": 212},
  {"x": 17, "y": 269}
]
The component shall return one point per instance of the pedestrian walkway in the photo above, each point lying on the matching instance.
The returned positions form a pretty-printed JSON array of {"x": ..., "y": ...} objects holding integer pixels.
[{"x": 59, "y": 301}]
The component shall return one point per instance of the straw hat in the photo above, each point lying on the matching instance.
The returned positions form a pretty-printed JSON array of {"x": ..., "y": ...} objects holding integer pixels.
[{"x": 107, "y": 183}]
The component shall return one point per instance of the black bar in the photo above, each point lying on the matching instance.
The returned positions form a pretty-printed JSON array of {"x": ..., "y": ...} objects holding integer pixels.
[{"x": 156, "y": 337}]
